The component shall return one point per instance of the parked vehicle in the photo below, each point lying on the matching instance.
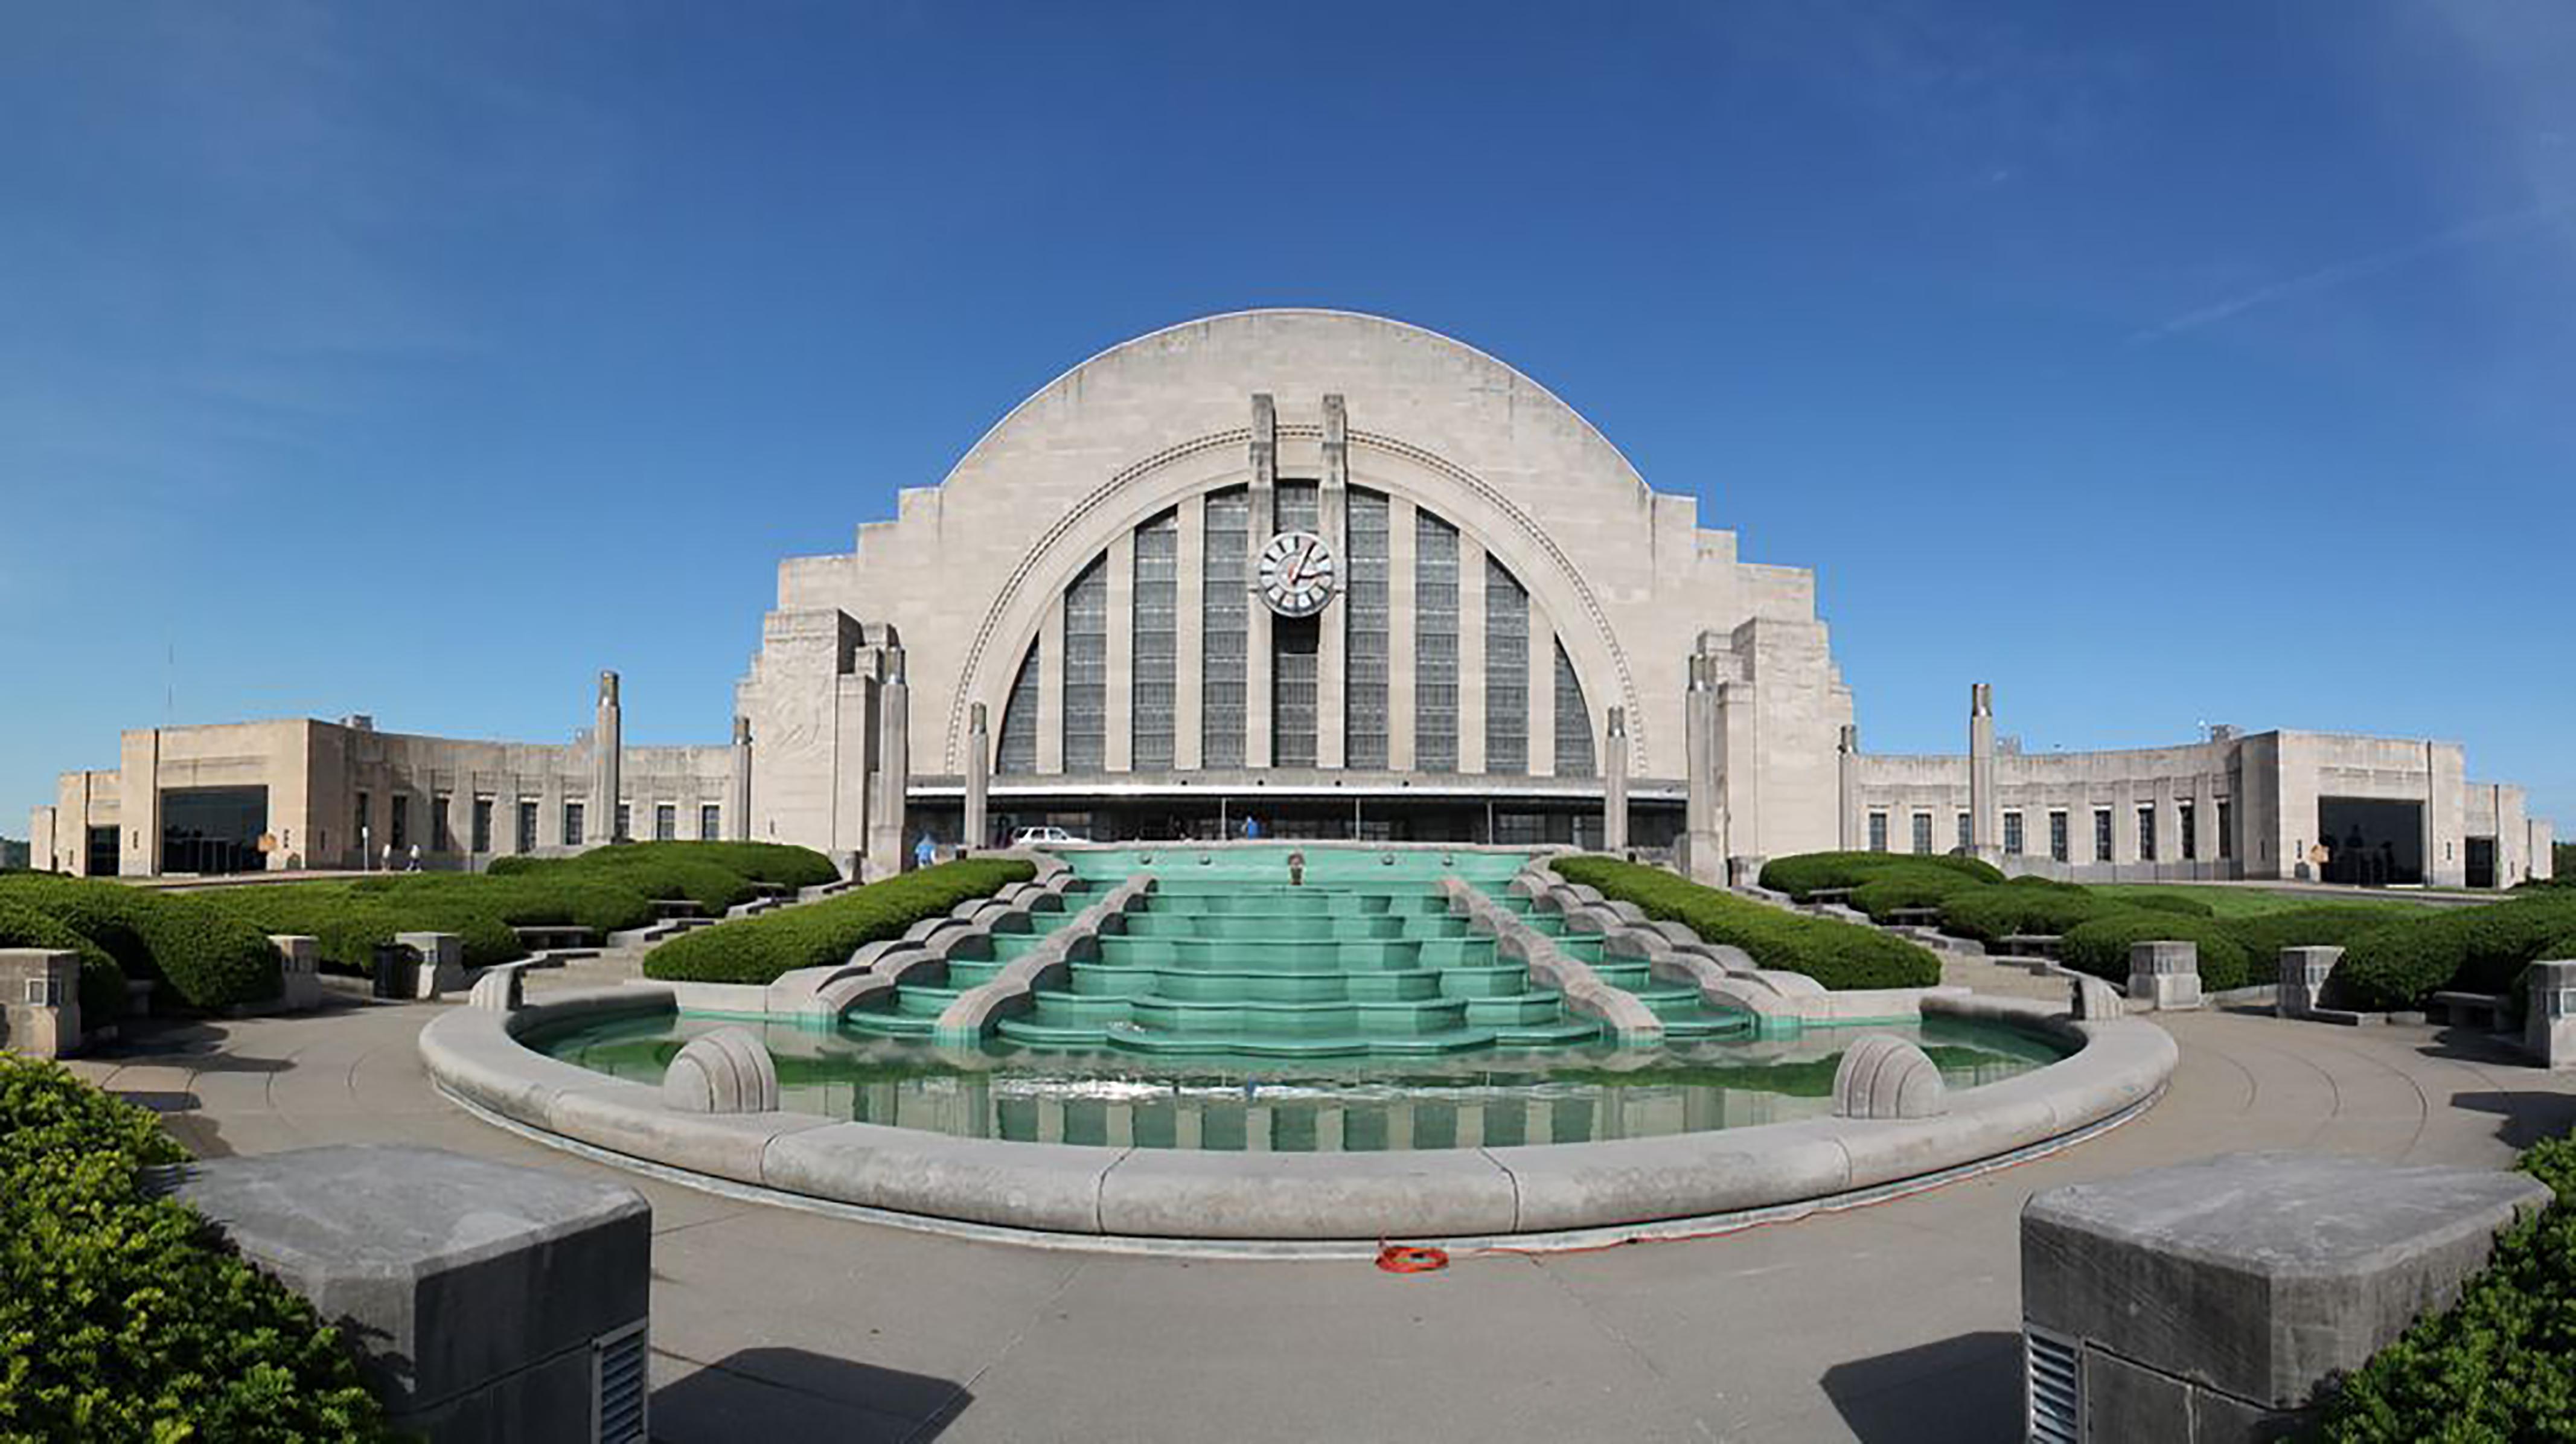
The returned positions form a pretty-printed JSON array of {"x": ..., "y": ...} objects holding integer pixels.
[{"x": 1043, "y": 837}]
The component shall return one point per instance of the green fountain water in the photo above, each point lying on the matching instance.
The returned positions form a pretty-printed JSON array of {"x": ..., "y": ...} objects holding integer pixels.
[{"x": 1359, "y": 956}]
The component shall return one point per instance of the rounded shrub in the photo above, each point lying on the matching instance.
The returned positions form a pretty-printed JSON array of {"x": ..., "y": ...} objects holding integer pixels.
[
  {"x": 2398, "y": 965},
  {"x": 209, "y": 957},
  {"x": 2101, "y": 946},
  {"x": 1990, "y": 914},
  {"x": 1908, "y": 887},
  {"x": 1802, "y": 873},
  {"x": 1838, "y": 954},
  {"x": 2327, "y": 925},
  {"x": 2165, "y": 902},
  {"x": 123, "y": 1315},
  {"x": 760, "y": 949}
]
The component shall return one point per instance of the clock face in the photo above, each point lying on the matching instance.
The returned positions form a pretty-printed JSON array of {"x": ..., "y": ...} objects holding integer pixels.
[{"x": 1298, "y": 573}]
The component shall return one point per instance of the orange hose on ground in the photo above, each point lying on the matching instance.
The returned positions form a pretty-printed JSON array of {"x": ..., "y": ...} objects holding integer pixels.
[{"x": 1398, "y": 1258}]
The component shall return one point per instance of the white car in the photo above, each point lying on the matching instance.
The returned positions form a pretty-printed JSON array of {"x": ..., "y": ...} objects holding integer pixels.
[{"x": 1043, "y": 837}]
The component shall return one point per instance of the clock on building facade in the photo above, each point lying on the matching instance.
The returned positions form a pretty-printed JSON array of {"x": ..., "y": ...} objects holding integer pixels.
[{"x": 1298, "y": 574}]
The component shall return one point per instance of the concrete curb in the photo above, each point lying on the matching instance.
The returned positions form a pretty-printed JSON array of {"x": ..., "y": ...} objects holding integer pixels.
[{"x": 1112, "y": 1193}]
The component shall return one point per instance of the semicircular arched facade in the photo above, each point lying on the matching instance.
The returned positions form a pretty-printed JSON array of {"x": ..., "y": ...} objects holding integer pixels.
[{"x": 1085, "y": 580}]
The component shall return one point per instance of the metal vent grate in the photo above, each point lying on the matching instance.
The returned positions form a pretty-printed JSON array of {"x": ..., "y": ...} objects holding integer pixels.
[
  {"x": 618, "y": 1386},
  {"x": 2054, "y": 1386}
]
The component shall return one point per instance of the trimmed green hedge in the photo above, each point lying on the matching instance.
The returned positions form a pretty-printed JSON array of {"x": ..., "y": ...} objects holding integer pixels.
[
  {"x": 1802, "y": 873},
  {"x": 349, "y": 924},
  {"x": 102, "y": 982},
  {"x": 125, "y": 1316},
  {"x": 776, "y": 863},
  {"x": 2101, "y": 946},
  {"x": 2500, "y": 1364},
  {"x": 759, "y": 949},
  {"x": 2327, "y": 925},
  {"x": 1837, "y": 954},
  {"x": 1990, "y": 914},
  {"x": 2480, "y": 949},
  {"x": 1908, "y": 887},
  {"x": 209, "y": 957}
]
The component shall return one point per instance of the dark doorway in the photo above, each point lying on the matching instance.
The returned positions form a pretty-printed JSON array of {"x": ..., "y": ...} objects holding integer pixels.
[
  {"x": 213, "y": 829},
  {"x": 103, "y": 859},
  {"x": 2371, "y": 842},
  {"x": 2482, "y": 867}
]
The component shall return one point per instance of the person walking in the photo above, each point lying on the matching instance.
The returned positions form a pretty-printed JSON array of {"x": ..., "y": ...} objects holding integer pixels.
[
  {"x": 924, "y": 852},
  {"x": 415, "y": 857}
]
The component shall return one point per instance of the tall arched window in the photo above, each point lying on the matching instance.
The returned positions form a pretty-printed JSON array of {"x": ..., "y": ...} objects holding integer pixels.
[
  {"x": 1507, "y": 671},
  {"x": 1573, "y": 721},
  {"x": 1018, "y": 749}
]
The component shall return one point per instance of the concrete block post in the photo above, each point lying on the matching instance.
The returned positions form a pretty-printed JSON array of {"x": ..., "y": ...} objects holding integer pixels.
[
  {"x": 979, "y": 777},
  {"x": 299, "y": 970},
  {"x": 483, "y": 1300},
  {"x": 1614, "y": 785},
  {"x": 442, "y": 962},
  {"x": 608, "y": 749},
  {"x": 738, "y": 799},
  {"x": 2164, "y": 977},
  {"x": 39, "y": 1002},
  {"x": 2549, "y": 1030},
  {"x": 2303, "y": 980}
]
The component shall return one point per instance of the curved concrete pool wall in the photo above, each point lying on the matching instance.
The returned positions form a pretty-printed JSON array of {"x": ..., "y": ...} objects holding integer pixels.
[{"x": 1071, "y": 1193}]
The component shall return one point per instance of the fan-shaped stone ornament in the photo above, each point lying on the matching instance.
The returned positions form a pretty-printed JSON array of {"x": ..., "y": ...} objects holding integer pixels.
[
  {"x": 726, "y": 1071},
  {"x": 1884, "y": 1076}
]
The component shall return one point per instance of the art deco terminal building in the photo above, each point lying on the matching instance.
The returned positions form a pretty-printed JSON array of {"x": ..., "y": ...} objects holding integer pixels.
[{"x": 1338, "y": 574}]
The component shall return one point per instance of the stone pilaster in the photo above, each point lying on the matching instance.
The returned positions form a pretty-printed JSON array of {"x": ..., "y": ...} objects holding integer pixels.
[
  {"x": 738, "y": 795},
  {"x": 1256, "y": 621},
  {"x": 1614, "y": 784},
  {"x": 890, "y": 787},
  {"x": 1847, "y": 826},
  {"x": 1332, "y": 642},
  {"x": 979, "y": 777},
  {"x": 1981, "y": 771},
  {"x": 607, "y": 754},
  {"x": 1704, "y": 811}
]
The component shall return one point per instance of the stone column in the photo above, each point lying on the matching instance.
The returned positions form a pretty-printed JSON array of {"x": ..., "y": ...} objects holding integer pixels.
[
  {"x": 1847, "y": 824},
  {"x": 1614, "y": 785},
  {"x": 1704, "y": 838},
  {"x": 1981, "y": 770},
  {"x": 2303, "y": 974},
  {"x": 979, "y": 777},
  {"x": 607, "y": 747},
  {"x": 890, "y": 789},
  {"x": 738, "y": 798},
  {"x": 40, "y": 1002},
  {"x": 2164, "y": 976},
  {"x": 1256, "y": 617},
  {"x": 2549, "y": 1027},
  {"x": 1333, "y": 626}
]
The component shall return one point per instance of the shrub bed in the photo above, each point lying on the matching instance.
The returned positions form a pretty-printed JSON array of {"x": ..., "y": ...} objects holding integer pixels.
[
  {"x": 1802, "y": 873},
  {"x": 759, "y": 949},
  {"x": 1908, "y": 887},
  {"x": 2500, "y": 1363},
  {"x": 349, "y": 924},
  {"x": 209, "y": 957},
  {"x": 2101, "y": 946},
  {"x": 125, "y": 1316},
  {"x": 102, "y": 982},
  {"x": 777, "y": 863},
  {"x": 2482, "y": 949},
  {"x": 1990, "y": 914},
  {"x": 1837, "y": 954}
]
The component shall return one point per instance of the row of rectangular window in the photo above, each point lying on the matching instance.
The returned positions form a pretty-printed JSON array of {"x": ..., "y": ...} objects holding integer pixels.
[
  {"x": 666, "y": 822},
  {"x": 2186, "y": 812}
]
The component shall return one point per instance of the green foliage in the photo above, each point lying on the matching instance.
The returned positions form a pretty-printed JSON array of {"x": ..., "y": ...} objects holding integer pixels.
[
  {"x": 2326, "y": 925},
  {"x": 350, "y": 924},
  {"x": 124, "y": 1316},
  {"x": 759, "y": 949},
  {"x": 1803, "y": 873},
  {"x": 1908, "y": 887},
  {"x": 776, "y": 863},
  {"x": 209, "y": 957},
  {"x": 2173, "y": 903},
  {"x": 102, "y": 982},
  {"x": 2480, "y": 949},
  {"x": 1990, "y": 914},
  {"x": 1837, "y": 954},
  {"x": 2498, "y": 1365},
  {"x": 2101, "y": 945}
]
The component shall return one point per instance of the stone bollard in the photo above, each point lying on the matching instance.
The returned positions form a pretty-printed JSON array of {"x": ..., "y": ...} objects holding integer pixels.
[
  {"x": 39, "y": 1002},
  {"x": 1884, "y": 1076},
  {"x": 483, "y": 1300},
  {"x": 726, "y": 1071},
  {"x": 299, "y": 970},
  {"x": 2095, "y": 1001},
  {"x": 442, "y": 962},
  {"x": 2549, "y": 1029},
  {"x": 2303, "y": 980},
  {"x": 2211, "y": 1299},
  {"x": 2164, "y": 977}
]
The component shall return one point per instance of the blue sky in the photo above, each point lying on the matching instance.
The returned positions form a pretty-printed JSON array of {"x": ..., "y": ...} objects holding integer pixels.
[{"x": 2159, "y": 364}]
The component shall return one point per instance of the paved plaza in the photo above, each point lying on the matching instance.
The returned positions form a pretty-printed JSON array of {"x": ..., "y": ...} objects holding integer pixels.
[{"x": 1893, "y": 1322}]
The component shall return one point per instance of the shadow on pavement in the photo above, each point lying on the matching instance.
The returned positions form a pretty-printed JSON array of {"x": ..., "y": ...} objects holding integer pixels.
[
  {"x": 1963, "y": 1388},
  {"x": 2528, "y": 1117},
  {"x": 796, "y": 1394}
]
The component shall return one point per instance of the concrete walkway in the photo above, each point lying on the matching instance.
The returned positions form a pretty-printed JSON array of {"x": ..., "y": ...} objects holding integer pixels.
[{"x": 1888, "y": 1323}]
